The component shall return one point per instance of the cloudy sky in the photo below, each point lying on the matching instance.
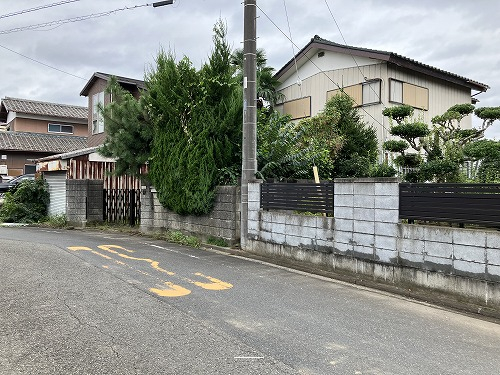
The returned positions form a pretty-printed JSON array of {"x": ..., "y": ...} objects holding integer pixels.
[{"x": 53, "y": 63}]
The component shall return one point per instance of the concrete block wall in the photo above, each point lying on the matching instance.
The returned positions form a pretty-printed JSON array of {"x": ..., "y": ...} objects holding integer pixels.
[
  {"x": 366, "y": 236},
  {"x": 222, "y": 222},
  {"x": 301, "y": 231},
  {"x": 84, "y": 201},
  {"x": 366, "y": 218},
  {"x": 472, "y": 253}
]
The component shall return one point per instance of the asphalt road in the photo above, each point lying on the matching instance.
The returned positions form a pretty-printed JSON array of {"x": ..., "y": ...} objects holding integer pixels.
[{"x": 78, "y": 302}]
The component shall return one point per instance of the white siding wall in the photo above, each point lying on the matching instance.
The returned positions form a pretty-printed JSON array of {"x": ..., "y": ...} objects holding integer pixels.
[
  {"x": 319, "y": 84},
  {"x": 442, "y": 95},
  {"x": 339, "y": 69}
]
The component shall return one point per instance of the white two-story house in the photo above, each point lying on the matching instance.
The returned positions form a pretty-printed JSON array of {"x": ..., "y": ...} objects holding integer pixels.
[{"x": 374, "y": 79}]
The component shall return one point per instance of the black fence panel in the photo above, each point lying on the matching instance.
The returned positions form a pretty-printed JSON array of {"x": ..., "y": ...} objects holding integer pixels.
[
  {"x": 122, "y": 206},
  {"x": 305, "y": 197},
  {"x": 454, "y": 203}
]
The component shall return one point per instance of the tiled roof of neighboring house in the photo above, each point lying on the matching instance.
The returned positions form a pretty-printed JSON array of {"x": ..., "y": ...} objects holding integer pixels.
[
  {"x": 390, "y": 57},
  {"x": 123, "y": 80},
  {"x": 44, "y": 108},
  {"x": 37, "y": 142}
]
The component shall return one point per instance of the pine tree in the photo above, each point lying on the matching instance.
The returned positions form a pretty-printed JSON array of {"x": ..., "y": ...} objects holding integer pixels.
[{"x": 128, "y": 132}]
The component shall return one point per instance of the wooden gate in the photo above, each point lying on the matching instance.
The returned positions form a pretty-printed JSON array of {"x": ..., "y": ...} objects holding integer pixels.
[{"x": 122, "y": 206}]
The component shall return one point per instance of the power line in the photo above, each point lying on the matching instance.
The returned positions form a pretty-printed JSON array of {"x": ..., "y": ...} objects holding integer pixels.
[
  {"x": 41, "y": 63},
  {"x": 293, "y": 49},
  {"x": 350, "y": 53},
  {"x": 37, "y": 8},
  {"x": 70, "y": 20},
  {"x": 319, "y": 69}
]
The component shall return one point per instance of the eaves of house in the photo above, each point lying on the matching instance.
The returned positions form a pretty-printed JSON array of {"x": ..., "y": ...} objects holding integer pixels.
[
  {"x": 37, "y": 142},
  {"x": 317, "y": 43},
  {"x": 127, "y": 83}
]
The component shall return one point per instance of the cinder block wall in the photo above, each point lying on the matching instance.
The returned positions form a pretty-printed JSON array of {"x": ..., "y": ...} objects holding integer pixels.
[
  {"x": 366, "y": 237},
  {"x": 84, "y": 201},
  {"x": 222, "y": 222}
]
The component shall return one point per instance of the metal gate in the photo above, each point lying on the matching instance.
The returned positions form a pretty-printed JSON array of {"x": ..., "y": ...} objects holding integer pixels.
[{"x": 122, "y": 206}]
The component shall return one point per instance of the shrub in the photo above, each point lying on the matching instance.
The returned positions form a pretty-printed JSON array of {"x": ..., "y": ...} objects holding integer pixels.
[
  {"x": 27, "y": 204},
  {"x": 383, "y": 170}
]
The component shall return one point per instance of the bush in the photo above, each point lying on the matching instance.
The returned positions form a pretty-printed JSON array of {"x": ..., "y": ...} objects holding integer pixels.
[
  {"x": 27, "y": 204},
  {"x": 383, "y": 170},
  {"x": 396, "y": 145},
  {"x": 408, "y": 160}
]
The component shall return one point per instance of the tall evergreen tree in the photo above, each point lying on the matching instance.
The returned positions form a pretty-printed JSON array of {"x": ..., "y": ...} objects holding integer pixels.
[{"x": 197, "y": 118}]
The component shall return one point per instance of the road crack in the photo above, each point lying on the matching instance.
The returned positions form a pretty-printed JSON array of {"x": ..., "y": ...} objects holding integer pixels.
[{"x": 82, "y": 323}]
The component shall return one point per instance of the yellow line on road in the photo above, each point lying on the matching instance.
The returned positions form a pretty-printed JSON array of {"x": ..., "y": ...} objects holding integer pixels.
[{"x": 154, "y": 263}]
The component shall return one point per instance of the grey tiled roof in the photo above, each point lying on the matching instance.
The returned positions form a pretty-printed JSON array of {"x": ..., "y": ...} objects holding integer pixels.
[
  {"x": 36, "y": 142},
  {"x": 44, "y": 108}
]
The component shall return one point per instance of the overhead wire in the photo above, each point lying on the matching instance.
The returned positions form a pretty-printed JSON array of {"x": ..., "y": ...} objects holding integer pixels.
[
  {"x": 317, "y": 67},
  {"x": 293, "y": 50},
  {"x": 24, "y": 11},
  {"x": 41, "y": 63},
  {"x": 350, "y": 53},
  {"x": 56, "y": 24},
  {"x": 70, "y": 20}
]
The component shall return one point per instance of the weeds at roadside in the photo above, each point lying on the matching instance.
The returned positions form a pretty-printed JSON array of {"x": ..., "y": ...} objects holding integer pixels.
[
  {"x": 182, "y": 239},
  {"x": 55, "y": 221},
  {"x": 217, "y": 241}
]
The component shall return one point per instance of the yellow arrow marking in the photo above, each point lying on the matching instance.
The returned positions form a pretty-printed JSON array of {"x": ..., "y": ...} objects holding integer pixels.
[
  {"x": 214, "y": 284},
  {"x": 173, "y": 291},
  {"x": 154, "y": 263}
]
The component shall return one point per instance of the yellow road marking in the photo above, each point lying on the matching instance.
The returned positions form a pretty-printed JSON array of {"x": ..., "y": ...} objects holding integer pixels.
[
  {"x": 75, "y": 248},
  {"x": 214, "y": 284},
  {"x": 101, "y": 255},
  {"x": 154, "y": 263},
  {"x": 173, "y": 291}
]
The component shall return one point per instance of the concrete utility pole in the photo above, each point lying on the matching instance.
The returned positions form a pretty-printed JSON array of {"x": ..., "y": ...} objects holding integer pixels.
[{"x": 249, "y": 143}]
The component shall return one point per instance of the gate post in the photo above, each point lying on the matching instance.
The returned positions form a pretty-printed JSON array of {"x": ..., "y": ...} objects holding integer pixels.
[{"x": 133, "y": 207}]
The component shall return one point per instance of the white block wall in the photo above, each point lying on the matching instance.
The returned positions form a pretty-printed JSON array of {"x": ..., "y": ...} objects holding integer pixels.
[{"x": 366, "y": 236}]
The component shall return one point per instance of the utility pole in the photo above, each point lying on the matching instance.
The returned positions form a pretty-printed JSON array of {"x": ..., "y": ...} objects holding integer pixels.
[{"x": 249, "y": 142}]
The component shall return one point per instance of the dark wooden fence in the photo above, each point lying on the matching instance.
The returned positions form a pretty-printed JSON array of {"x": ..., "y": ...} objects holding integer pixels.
[
  {"x": 305, "y": 197},
  {"x": 453, "y": 203},
  {"x": 122, "y": 206}
]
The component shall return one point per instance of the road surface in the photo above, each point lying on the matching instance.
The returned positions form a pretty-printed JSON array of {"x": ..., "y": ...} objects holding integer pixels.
[{"x": 81, "y": 302}]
